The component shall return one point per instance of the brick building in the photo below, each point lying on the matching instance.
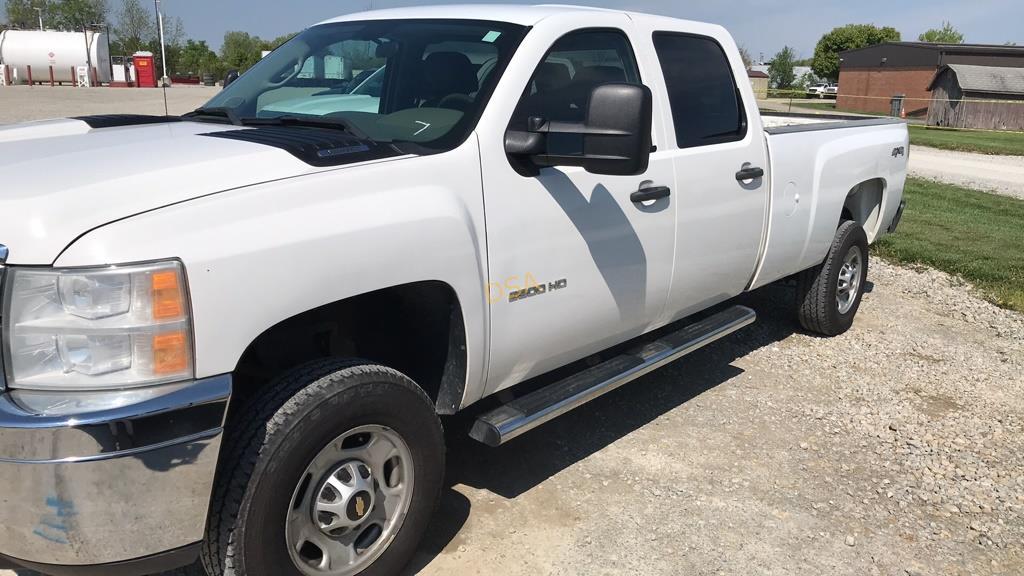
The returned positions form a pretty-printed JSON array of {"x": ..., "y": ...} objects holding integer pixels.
[{"x": 869, "y": 77}]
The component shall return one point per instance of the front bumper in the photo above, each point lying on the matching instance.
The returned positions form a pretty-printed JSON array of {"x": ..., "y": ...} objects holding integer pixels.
[{"x": 105, "y": 485}]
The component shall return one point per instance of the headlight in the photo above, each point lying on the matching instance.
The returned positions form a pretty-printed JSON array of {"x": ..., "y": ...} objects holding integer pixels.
[{"x": 102, "y": 328}]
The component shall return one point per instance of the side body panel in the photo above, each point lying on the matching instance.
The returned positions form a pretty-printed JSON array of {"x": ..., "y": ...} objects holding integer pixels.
[
  {"x": 259, "y": 255},
  {"x": 813, "y": 173}
]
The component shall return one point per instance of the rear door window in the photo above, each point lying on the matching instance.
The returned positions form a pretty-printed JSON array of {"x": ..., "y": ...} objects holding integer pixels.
[{"x": 706, "y": 104}]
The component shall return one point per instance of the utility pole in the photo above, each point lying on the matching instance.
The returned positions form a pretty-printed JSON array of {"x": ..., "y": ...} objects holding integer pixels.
[
  {"x": 40, "y": 11},
  {"x": 88, "y": 57},
  {"x": 163, "y": 48}
]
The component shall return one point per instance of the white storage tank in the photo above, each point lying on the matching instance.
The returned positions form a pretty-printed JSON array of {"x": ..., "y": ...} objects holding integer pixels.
[{"x": 62, "y": 50}]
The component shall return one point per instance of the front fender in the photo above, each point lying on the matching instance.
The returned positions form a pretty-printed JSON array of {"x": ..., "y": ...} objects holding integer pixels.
[{"x": 261, "y": 254}]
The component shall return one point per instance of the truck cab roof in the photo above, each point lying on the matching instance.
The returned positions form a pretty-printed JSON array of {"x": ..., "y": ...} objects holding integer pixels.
[{"x": 523, "y": 15}]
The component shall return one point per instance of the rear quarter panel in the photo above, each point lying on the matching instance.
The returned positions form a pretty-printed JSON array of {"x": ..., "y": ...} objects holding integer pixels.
[{"x": 812, "y": 173}]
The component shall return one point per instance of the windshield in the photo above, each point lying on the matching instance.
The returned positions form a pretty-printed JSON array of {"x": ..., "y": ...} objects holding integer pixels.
[{"x": 402, "y": 81}]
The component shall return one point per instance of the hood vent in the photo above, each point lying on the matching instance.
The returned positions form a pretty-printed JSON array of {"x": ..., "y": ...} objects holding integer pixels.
[
  {"x": 315, "y": 146},
  {"x": 118, "y": 120}
]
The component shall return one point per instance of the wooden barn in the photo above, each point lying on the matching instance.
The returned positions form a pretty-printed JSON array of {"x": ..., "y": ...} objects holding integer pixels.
[{"x": 983, "y": 97}]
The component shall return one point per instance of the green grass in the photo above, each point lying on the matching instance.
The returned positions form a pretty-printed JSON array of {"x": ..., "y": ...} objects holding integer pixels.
[
  {"x": 975, "y": 235},
  {"x": 998, "y": 143},
  {"x": 826, "y": 106}
]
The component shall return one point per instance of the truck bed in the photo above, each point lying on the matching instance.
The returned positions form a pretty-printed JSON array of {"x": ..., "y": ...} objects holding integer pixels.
[
  {"x": 825, "y": 165},
  {"x": 786, "y": 123}
]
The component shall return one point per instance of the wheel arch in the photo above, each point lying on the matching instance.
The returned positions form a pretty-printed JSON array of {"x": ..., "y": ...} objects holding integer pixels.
[
  {"x": 416, "y": 328},
  {"x": 863, "y": 205}
]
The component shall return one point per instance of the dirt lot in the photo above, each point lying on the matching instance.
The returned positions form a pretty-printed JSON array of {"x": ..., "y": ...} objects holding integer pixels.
[
  {"x": 896, "y": 449},
  {"x": 20, "y": 103}
]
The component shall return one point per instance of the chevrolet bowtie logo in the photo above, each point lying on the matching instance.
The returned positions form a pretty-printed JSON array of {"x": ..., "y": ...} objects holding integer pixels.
[{"x": 360, "y": 507}]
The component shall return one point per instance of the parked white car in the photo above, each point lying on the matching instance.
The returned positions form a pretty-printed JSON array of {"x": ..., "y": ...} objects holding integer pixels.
[{"x": 236, "y": 347}]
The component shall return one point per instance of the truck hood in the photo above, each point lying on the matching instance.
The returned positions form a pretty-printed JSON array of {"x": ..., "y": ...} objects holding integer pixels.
[{"x": 61, "y": 178}]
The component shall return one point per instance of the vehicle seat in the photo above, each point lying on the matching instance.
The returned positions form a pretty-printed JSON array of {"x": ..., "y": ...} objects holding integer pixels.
[
  {"x": 558, "y": 100},
  {"x": 551, "y": 76},
  {"x": 591, "y": 77},
  {"x": 449, "y": 79}
]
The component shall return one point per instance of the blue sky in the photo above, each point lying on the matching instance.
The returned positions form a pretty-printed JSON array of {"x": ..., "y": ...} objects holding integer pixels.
[{"x": 761, "y": 25}]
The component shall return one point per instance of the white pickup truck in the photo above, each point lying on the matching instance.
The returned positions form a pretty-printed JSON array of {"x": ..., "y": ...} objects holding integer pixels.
[
  {"x": 237, "y": 346},
  {"x": 823, "y": 90}
]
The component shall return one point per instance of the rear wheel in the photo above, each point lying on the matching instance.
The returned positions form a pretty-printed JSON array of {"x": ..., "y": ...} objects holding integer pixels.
[
  {"x": 829, "y": 295},
  {"x": 337, "y": 473}
]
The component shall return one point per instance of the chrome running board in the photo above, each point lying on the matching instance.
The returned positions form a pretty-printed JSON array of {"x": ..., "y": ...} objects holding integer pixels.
[{"x": 527, "y": 412}]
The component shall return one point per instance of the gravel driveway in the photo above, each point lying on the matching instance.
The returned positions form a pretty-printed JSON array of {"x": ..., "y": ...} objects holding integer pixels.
[
  {"x": 999, "y": 174},
  {"x": 895, "y": 449}
]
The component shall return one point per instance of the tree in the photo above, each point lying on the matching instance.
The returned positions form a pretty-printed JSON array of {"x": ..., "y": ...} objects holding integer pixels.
[
  {"x": 273, "y": 44},
  {"x": 196, "y": 58},
  {"x": 945, "y": 35},
  {"x": 77, "y": 14},
  {"x": 57, "y": 14},
  {"x": 826, "y": 54},
  {"x": 745, "y": 55},
  {"x": 174, "y": 31},
  {"x": 241, "y": 50},
  {"x": 807, "y": 79},
  {"x": 781, "y": 69},
  {"x": 135, "y": 29},
  {"x": 22, "y": 13}
]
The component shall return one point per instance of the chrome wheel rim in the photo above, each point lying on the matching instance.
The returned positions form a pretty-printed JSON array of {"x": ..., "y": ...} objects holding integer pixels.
[
  {"x": 350, "y": 503},
  {"x": 848, "y": 282}
]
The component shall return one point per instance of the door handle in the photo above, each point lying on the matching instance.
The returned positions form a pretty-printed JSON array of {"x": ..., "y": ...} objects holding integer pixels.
[
  {"x": 749, "y": 173},
  {"x": 652, "y": 193}
]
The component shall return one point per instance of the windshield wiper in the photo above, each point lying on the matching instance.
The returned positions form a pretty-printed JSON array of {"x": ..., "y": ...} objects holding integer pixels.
[
  {"x": 215, "y": 112},
  {"x": 331, "y": 123}
]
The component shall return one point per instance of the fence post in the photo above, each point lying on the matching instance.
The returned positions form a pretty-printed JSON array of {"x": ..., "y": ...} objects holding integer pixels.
[
  {"x": 7, "y": 75},
  {"x": 74, "y": 77},
  {"x": 51, "y": 76},
  {"x": 28, "y": 69},
  {"x": 94, "y": 77}
]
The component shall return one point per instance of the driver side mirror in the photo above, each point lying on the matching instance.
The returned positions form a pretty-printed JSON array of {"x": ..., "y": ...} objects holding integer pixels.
[
  {"x": 231, "y": 76},
  {"x": 616, "y": 134}
]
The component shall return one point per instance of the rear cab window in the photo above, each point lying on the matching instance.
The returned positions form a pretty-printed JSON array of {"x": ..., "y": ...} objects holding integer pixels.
[{"x": 705, "y": 101}]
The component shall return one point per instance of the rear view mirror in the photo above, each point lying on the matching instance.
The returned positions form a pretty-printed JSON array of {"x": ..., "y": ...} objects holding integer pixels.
[
  {"x": 231, "y": 76},
  {"x": 616, "y": 134}
]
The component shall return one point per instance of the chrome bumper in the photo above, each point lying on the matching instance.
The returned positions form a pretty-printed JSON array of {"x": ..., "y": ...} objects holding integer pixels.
[{"x": 99, "y": 485}]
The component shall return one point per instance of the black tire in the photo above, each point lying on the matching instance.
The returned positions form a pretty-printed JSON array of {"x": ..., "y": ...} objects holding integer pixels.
[
  {"x": 275, "y": 437},
  {"x": 193, "y": 570},
  {"x": 816, "y": 301}
]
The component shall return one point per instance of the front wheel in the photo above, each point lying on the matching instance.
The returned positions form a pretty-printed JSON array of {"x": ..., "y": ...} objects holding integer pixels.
[
  {"x": 828, "y": 295},
  {"x": 336, "y": 473}
]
